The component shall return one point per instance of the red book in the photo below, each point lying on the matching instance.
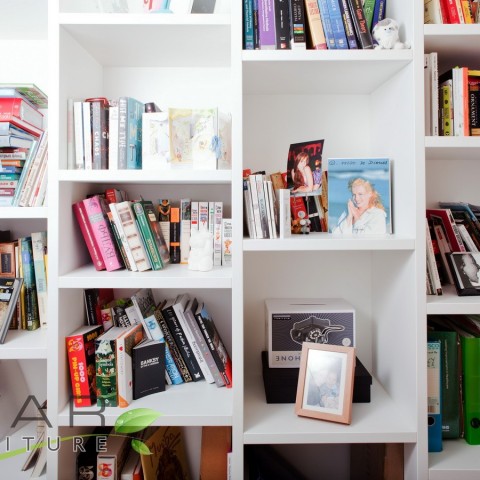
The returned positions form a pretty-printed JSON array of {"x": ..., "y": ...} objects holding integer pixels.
[
  {"x": 81, "y": 362},
  {"x": 93, "y": 249},
  {"x": 17, "y": 108},
  {"x": 450, "y": 7},
  {"x": 445, "y": 217}
]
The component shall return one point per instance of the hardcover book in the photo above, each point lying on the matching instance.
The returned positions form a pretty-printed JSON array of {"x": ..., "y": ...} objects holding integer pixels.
[
  {"x": 112, "y": 457},
  {"x": 30, "y": 304},
  {"x": 298, "y": 31},
  {"x": 282, "y": 24},
  {"x": 28, "y": 91},
  {"x": 175, "y": 235},
  {"x": 86, "y": 461},
  {"x": 359, "y": 21},
  {"x": 148, "y": 368},
  {"x": 99, "y": 114},
  {"x": 21, "y": 109},
  {"x": 81, "y": 360},
  {"x": 130, "y": 113},
  {"x": 359, "y": 196},
  {"x": 157, "y": 233},
  {"x": 39, "y": 248}
]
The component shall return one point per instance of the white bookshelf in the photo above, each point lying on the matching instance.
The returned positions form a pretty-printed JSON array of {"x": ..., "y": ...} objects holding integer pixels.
[
  {"x": 363, "y": 103},
  {"x": 451, "y": 165}
]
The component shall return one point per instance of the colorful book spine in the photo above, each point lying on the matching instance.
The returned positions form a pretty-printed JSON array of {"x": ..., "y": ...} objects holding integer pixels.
[
  {"x": 282, "y": 24},
  {"x": 327, "y": 24},
  {"x": 185, "y": 221},
  {"x": 32, "y": 317},
  {"x": 248, "y": 33},
  {"x": 227, "y": 242},
  {"x": 217, "y": 234},
  {"x": 368, "y": 9},
  {"x": 317, "y": 34},
  {"x": 266, "y": 25},
  {"x": 348, "y": 24},
  {"x": 203, "y": 215},
  {"x": 102, "y": 232},
  {"x": 39, "y": 247},
  {"x": 21, "y": 109},
  {"x": 175, "y": 235},
  {"x": 298, "y": 31},
  {"x": 364, "y": 36},
  {"x": 336, "y": 22}
]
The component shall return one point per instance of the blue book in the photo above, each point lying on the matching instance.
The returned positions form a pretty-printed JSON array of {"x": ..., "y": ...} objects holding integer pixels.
[
  {"x": 130, "y": 113},
  {"x": 248, "y": 34},
  {"x": 379, "y": 12},
  {"x": 336, "y": 22},
  {"x": 348, "y": 24},
  {"x": 327, "y": 26},
  {"x": 434, "y": 387}
]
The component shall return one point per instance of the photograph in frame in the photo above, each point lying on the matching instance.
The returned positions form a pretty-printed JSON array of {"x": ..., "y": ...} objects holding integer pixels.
[
  {"x": 465, "y": 268},
  {"x": 325, "y": 382}
]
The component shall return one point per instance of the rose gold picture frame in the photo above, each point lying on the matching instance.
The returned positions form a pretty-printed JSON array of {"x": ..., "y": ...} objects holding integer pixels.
[{"x": 325, "y": 382}]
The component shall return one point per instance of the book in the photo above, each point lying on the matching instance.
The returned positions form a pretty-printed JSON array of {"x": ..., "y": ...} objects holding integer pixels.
[
  {"x": 168, "y": 448},
  {"x": 189, "y": 316},
  {"x": 266, "y": 25},
  {"x": 298, "y": 30},
  {"x": 217, "y": 233},
  {"x": 227, "y": 241},
  {"x": 78, "y": 135},
  {"x": 370, "y": 178},
  {"x": 95, "y": 209},
  {"x": 432, "y": 267},
  {"x": 39, "y": 248},
  {"x": 81, "y": 361},
  {"x": 132, "y": 470},
  {"x": 215, "y": 343},
  {"x": 215, "y": 446},
  {"x": 113, "y": 120},
  {"x": 124, "y": 348},
  {"x": 181, "y": 340},
  {"x": 445, "y": 251},
  {"x": 327, "y": 24},
  {"x": 12, "y": 108},
  {"x": 87, "y": 135},
  {"x": 185, "y": 219},
  {"x": 378, "y": 12},
  {"x": 155, "y": 141},
  {"x": 149, "y": 241},
  {"x": 7, "y": 259},
  {"x": 130, "y": 112},
  {"x": 112, "y": 457},
  {"x": 445, "y": 218},
  {"x": 282, "y": 24},
  {"x": 434, "y": 381},
  {"x": 28, "y": 91},
  {"x": 359, "y": 21},
  {"x": 30, "y": 303},
  {"x": 317, "y": 35},
  {"x": 248, "y": 31},
  {"x": 142, "y": 304},
  {"x": 465, "y": 268},
  {"x": 451, "y": 406},
  {"x": 99, "y": 116},
  {"x": 95, "y": 299},
  {"x": 336, "y": 22},
  {"x": 86, "y": 460},
  {"x": 431, "y": 93},
  {"x": 284, "y": 213},
  {"x": 368, "y": 9},
  {"x": 157, "y": 232},
  {"x": 148, "y": 368},
  {"x": 175, "y": 235},
  {"x": 348, "y": 25},
  {"x": 9, "y": 294}
]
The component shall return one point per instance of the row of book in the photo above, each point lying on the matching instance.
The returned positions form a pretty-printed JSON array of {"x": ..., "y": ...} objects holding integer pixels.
[
  {"x": 120, "y": 233},
  {"x": 132, "y": 347},
  {"x": 126, "y": 133},
  {"x": 23, "y": 146},
  {"x": 453, "y": 248},
  {"x": 453, "y": 371},
  {"x": 23, "y": 276},
  {"x": 124, "y": 456},
  {"x": 452, "y": 100},
  {"x": 451, "y": 11},
  {"x": 313, "y": 24}
]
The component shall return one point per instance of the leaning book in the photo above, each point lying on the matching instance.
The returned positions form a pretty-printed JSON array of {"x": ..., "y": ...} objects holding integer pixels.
[
  {"x": 9, "y": 292},
  {"x": 359, "y": 196}
]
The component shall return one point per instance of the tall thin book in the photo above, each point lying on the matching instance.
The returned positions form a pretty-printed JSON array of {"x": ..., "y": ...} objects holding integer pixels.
[{"x": 9, "y": 292}]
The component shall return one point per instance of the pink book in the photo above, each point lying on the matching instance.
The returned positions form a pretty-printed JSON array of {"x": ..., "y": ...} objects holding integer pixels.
[
  {"x": 96, "y": 256},
  {"x": 102, "y": 233}
]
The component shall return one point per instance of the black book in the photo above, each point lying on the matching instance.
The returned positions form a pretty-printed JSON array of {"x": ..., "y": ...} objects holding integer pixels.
[
  {"x": 148, "y": 368},
  {"x": 99, "y": 108},
  {"x": 282, "y": 24},
  {"x": 364, "y": 37},
  {"x": 86, "y": 464},
  {"x": 180, "y": 338}
]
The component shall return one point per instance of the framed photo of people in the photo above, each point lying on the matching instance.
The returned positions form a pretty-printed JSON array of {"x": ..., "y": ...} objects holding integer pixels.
[
  {"x": 465, "y": 267},
  {"x": 325, "y": 382}
]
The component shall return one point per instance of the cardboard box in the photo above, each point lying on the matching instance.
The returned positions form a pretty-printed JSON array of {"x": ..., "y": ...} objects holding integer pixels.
[
  {"x": 292, "y": 321},
  {"x": 281, "y": 383}
]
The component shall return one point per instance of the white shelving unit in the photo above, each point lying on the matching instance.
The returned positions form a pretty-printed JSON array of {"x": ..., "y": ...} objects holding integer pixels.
[
  {"x": 451, "y": 167},
  {"x": 363, "y": 103}
]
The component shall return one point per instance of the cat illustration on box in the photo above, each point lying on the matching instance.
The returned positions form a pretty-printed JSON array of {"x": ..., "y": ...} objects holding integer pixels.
[{"x": 313, "y": 330}]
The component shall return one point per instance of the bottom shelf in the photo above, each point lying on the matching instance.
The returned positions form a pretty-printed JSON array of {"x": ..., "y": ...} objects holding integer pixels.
[
  {"x": 380, "y": 421},
  {"x": 12, "y": 467},
  {"x": 458, "y": 460}
]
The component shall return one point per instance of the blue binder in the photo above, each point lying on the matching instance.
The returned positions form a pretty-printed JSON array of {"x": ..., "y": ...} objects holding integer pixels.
[{"x": 434, "y": 386}]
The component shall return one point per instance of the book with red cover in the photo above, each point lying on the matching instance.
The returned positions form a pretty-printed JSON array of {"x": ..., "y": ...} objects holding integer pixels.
[
  {"x": 451, "y": 9},
  {"x": 87, "y": 232},
  {"x": 20, "y": 109},
  {"x": 81, "y": 360},
  {"x": 444, "y": 215}
]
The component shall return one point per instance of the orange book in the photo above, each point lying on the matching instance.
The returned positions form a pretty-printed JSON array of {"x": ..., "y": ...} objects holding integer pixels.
[{"x": 175, "y": 235}]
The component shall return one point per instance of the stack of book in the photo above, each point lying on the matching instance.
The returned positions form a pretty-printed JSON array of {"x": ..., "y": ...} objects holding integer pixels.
[
  {"x": 23, "y": 146},
  {"x": 451, "y": 11},
  {"x": 125, "y": 133},
  {"x": 313, "y": 24},
  {"x": 120, "y": 233},
  {"x": 24, "y": 260},
  {"x": 452, "y": 100},
  {"x": 133, "y": 346}
]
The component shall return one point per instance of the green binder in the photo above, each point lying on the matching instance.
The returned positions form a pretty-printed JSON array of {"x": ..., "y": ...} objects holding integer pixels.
[{"x": 471, "y": 387}]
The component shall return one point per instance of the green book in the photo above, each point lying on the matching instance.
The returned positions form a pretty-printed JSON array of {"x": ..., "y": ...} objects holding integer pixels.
[
  {"x": 471, "y": 387},
  {"x": 30, "y": 306},
  {"x": 451, "y": 394},
  {"x": 368, "y": 9}
]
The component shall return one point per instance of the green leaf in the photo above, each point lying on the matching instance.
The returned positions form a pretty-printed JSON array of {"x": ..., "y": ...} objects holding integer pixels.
[
  {"x": 140, "y": 447},
  {"x": 135, "y": 420}
]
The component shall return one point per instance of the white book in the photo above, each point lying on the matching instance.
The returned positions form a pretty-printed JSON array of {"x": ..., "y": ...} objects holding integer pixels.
[
  {"x": 467, "y": 239},
  {"x": 433, "y": 12},
  {"x": 262, "y": 204},
  {"x": 155, "y": 141},
  {"x": 113, "y": 135},
  {"x": 211, "y": 217},
  {"x": 444, "y": 251},
  {"x": 40, "y": 196},
  {"x": 70, "y": 136},
  {"x": 458, "y": 106},
  {"x": 255, "y": 207},
  {"x": 179, "y": 307},
  {"x": 123, "y": 237},
  {"x": 78, "y": 135},
  {"x": 227, "y": 241},
  {"x": 87, "y": 136},
  {"x": 217, "y": 234},
  {"x": 432, "y": 263},
  {"x": 39, "y": 247},
  {"x": 194, "y": 216},
  {"x": 203, "y": 215},
  {"x": 284, "y": 213},
  {"x": 185, "y": 219},
  {"x": 270, "y": 200}
]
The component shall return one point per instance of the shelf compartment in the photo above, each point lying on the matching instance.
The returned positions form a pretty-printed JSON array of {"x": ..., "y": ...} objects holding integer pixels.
[
  {"x": 189, "y": 404},
  {"x": 330, "y": 242},
  {"x": 23, "y": 212},
  {"x": 22, "y": 344},
  {"x": 172, "y": 276},
  {"x": 320, "y": 71},
  {"x": 458, "y": 460},
  {"x": 451, "y": 304},
  {"x": 380, "y": 421},
  {"x": 452, "y": 148},
  {"x": 129, "y": 41},
  {"x": 184, "y": 177}
]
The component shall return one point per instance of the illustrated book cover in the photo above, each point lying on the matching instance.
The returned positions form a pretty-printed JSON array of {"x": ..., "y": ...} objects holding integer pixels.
[{"x": 359, "y": 196}]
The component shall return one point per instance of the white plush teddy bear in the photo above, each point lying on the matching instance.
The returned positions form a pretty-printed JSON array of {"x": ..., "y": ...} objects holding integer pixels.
[
  {"x": 200, "y": 257},
  {"x": 385, "y": 32}
]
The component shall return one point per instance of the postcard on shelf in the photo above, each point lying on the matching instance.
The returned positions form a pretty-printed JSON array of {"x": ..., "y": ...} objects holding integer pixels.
[
  {"x": 155, "y": 141},
  {"x": 359, "y": 196},
  {"x": 465, "y": 268}
]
